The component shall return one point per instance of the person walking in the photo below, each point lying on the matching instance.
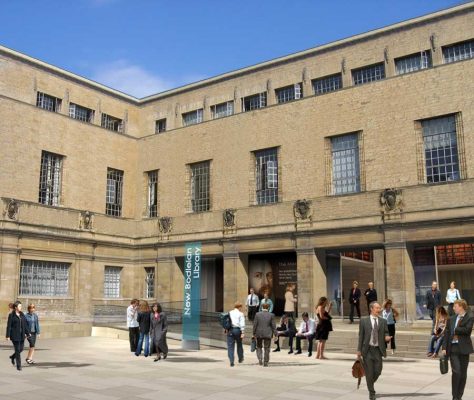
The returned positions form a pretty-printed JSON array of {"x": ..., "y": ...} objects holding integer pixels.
[
  {"x": 144, "y": 321},
  {"x": 437, "y": 336},
  {"x": 371, "y": 347},
  {"x": 290, "y": 300},
  {"x": 263, "y": 330},
  {"x": 306, "y": 332},
  {"x": 236, "y": 334},
  {"x": 17, "y": 331},
  {"x": 433, "y": 300},
  {"x": 158, "y": 330},
  {"x": 390, "y": 315},
  {"x": 324, "y": 326},
  {"x": 452, "y": 294},
  {"x": 457, "y": 345},
  {"x": 252, "y": 304},
  {"x": 287, "y": 329},
  {"x": 132, "y": 325},
  {"x": 34, "y": 327},
  {"x": 266, "y": 300},
  {"x": 370, "y": 295},
  {"x": 354, "y": 300}
]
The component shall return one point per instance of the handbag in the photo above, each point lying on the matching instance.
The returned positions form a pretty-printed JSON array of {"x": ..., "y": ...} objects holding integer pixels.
[
  {"x": 443, "y": 365},
  {"x": 358, "y": 371},
  {"x": 253, "y": 345}
]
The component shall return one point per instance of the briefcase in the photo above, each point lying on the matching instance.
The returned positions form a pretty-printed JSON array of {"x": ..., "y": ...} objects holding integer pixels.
[
  {"x": 358, "y": 372},
  {"x": 253, "y": 345},
  {"x": 443, "y": 365}
]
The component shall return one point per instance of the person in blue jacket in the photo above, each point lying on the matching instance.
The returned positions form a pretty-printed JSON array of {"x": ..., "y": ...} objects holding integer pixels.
[{"x": 33, "y": 326}]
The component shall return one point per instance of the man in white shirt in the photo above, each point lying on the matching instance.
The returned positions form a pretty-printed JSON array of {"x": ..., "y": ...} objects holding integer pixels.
[
  {"x": 306, "y": 331},
  {"x": 132, "y": 325},
  {"x": 252, "y": 304},
  {"x": 236, "y": 333}
]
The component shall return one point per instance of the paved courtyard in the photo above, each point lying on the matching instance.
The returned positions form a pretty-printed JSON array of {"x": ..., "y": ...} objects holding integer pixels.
[{"x": 94, "y": 368}]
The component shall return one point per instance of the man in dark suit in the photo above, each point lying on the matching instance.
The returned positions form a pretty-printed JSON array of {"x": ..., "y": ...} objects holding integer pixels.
[
  {"x": 373, "y": 335},
  {"x": 354, "y": 300},
  {"x": 263, "y": 329},
  {"x": 370, "y": 295},
  {"x": 457, "y": 345},
  {"x": 433, "y": 299}
]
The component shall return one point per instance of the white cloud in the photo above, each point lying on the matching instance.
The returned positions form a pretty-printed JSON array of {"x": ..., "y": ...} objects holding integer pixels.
[{"x": 131, "y": 79}]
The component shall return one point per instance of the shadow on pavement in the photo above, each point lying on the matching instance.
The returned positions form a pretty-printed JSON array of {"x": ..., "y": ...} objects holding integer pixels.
[
  {"x": 408, "y": 395},
  {"x": 189, "y": 359},
  {"x": 48, "y": 365},
  {"x": 290, "y": 364}
]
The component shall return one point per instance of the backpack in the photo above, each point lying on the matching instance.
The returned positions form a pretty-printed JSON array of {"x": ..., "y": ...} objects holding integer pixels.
[{"x": 225, "y": 321}]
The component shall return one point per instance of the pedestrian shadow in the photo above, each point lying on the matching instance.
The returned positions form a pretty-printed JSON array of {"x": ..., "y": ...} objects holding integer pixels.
[
  {"x": 408, "y": 395},
  {"x": 190, "y": 359},
  {"x": 65, "y": 364},
  {"x": 290, "y": 364}
]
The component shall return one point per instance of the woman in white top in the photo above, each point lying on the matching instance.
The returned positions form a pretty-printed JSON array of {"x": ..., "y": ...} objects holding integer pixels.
[
  {"x": 290, "y": 300},
  {"x": 451, "y": 296}
]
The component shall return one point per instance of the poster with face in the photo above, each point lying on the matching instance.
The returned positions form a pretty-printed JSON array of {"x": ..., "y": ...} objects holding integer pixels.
[{"x": 273, "y": 274}]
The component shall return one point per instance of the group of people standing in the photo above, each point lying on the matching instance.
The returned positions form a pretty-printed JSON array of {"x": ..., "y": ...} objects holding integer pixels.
[
  {"x": 21, "y": 326},
  {"x": 147, "y": 326}
]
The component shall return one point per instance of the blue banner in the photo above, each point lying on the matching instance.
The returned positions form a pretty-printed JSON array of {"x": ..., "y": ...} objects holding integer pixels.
[{"x": 192, "y": 295}]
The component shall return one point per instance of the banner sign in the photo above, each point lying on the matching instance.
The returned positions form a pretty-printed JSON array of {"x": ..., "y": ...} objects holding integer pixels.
[{"x": 192, "y": 295}]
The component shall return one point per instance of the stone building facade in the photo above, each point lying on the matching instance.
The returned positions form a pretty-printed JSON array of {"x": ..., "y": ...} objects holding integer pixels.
[{"x": 349, "y": 161}]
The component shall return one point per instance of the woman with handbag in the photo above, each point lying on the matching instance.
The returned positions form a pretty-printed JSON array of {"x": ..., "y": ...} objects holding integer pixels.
[
  {"x": 324, "y": 326},
  {"x": 436, "y": 340},
  {"x": 390, "y": 314},
  {"x": 158, "y": 330}
]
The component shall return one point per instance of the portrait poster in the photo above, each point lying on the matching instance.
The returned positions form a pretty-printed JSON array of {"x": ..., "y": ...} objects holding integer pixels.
[{"x": 275, "y": 274}]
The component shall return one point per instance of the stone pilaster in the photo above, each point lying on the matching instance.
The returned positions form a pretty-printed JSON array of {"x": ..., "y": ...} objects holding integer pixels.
[
  {"x": 380, "y": 280},
  {"x": 235, "y": 278}
]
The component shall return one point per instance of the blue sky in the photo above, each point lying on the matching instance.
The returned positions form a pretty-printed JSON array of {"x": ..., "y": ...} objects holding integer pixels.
[{"x": 144, "y": 46}]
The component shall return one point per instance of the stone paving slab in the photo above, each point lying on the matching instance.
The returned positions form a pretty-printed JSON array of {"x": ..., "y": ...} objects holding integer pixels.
[{"x": 94, "y": 368}]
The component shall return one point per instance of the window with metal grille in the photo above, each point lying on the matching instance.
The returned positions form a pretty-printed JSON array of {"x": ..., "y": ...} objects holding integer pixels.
[
  {"x": 149, "y": 282},
  {"x": 44, "y": 278},
  {"x": 289, "y": 93},
  {"x": 111, "y": 123},
  {"x": 50, "y": 178},
  {"x": 458, "y": 51},
  {"x": 222, "y": 110},
  {"x": 200, "y": 186},
  {"x": 160, "y": 125},
  {"x": 255, "y": 101},
  {"x": 441, "y": 149},
  {"x": 368, "y": 74},
  {"x": 112, "y": 281},
  {"x": 113, "y": 197},
  {"x": 345, "y": 164},
  {"x": 327, "y": 84},
  {"x": 48, "y": 102},
  {"x": 192, "y": 117},
  {"x": 81, "y": 113},
  {"x": 266, "y": 174},
  {"x": 152, "y": 205},
  {"x": 413, "y": 62}
]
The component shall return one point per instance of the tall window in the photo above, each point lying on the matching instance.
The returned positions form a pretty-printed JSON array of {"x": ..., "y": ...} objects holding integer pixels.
[
  {"x": 192, "y": 117},
  {"x": 111, "y": 123},
  {"x": 113, "y": 197},
  {"x": 458, "y": 51},
  {"x": 200, "y": 186},
  {"x": 288, "y": 93},
  {"x": 160, "y": 125},
  {"x": 112, "y": 281},
  {"x": 48, "y": 102},
  {"x": 255, "y": 101},
  {"x": 152, "y": 203},
  {"x": 149, "y": 282},
  {"x": 44, "y": 278},
  {"x": 266, "y": 174},
  {"x": 50, "y": 178},
  {"x": 441, "y": 149},
  {"x": 327, "y": 84},
  {"x": 81, "y": 113},
  {"x": 345, "y": 164},
  {"x": 413, "y": 62},
  {"x": 222, "y": 109},
  {"x": 368, "y": 74}
]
